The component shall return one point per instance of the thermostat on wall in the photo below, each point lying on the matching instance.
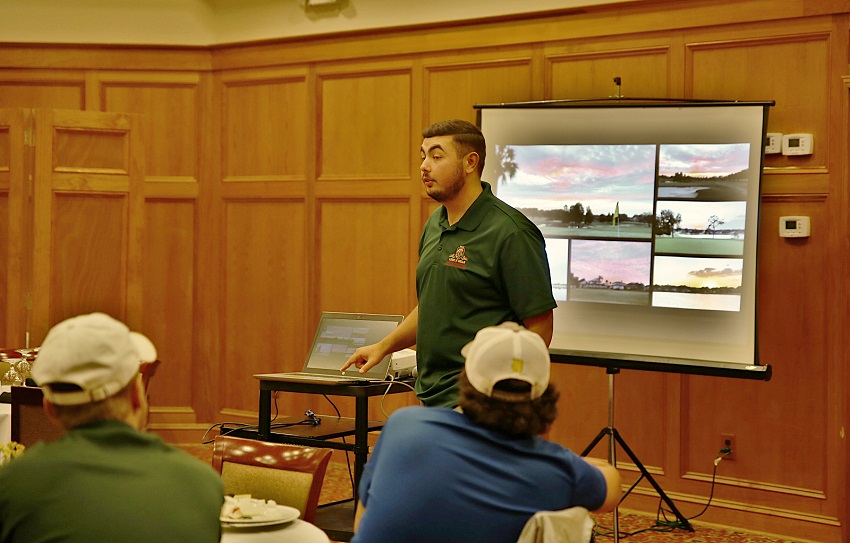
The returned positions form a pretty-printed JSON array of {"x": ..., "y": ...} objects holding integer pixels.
[
  {"x": 772, "y": 143},
  {"x": 796, "y": 226},
  {"x": 797, "y": 144}
]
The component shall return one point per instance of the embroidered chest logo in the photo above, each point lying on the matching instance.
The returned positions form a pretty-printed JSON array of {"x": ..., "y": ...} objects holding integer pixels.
[{"x": 458, "y": 258}]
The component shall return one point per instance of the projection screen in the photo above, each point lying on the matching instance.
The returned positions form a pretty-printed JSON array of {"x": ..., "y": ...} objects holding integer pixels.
[{"x": 650, "y": 213}]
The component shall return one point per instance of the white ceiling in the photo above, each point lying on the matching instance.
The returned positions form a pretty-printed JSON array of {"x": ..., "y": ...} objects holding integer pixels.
[{"x": 210, "y": 22}]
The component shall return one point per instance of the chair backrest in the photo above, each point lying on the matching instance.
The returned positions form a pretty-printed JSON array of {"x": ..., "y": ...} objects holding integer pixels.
[
  {"x": 572, "y": 525},
  {"x": 29, "y": 421},
  {"x": 148, "y": 370},
  {"x": 288, "y": 474}
]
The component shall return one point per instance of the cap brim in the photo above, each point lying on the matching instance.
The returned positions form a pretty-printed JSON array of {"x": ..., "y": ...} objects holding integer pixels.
[{"x": 144, "y": 346}]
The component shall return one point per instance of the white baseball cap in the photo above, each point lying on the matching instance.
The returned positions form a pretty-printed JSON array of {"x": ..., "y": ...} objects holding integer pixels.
[
  {"x": 94, "y": 352},
  {"x": 507, "y": 351}
]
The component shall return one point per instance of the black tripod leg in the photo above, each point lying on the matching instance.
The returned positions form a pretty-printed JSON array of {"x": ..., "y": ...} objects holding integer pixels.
[
  {"x": 681, "y": 518},
  {"x": 602, "y": 433}
]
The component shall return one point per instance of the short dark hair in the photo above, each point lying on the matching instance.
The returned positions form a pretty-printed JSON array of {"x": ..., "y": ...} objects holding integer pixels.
[
  {"x": 516, "y": 419},
  {"x": 466, "y": 136}
]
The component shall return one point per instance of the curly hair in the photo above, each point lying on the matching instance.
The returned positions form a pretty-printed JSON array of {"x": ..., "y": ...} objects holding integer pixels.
[
  {"x": 466, "y": 136},
  {"x": 519, "y": 419}
]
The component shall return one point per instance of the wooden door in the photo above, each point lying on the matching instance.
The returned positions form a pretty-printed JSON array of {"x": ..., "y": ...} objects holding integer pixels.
[
  {"x": 16, "y": 157},
  {"x": 88, "y": 212}
]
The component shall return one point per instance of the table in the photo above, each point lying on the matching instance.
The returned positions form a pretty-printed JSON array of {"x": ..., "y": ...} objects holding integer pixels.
[
  {"x": 330, "y": 427},
  {"x": 336, "y": 519},
  {"x": 297, "y": 531}
]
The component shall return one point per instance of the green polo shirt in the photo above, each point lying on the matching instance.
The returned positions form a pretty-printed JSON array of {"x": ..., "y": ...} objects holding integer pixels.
[
  {"x": 488, "y": 268},
  {"x": 106, "y": 482}
]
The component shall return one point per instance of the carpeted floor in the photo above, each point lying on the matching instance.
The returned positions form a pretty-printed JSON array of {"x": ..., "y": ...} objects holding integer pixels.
[{"x": 634, "y": 527}]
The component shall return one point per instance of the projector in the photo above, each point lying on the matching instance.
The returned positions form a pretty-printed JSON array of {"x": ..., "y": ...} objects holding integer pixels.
[{"x": 403, "y": 364}]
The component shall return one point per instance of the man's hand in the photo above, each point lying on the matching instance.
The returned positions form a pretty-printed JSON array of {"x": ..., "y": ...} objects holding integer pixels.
[{"x": 364, "y": 358}]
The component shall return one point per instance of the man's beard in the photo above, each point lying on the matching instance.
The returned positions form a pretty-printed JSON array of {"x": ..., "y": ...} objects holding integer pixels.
[{"x": 448, "y": 189}]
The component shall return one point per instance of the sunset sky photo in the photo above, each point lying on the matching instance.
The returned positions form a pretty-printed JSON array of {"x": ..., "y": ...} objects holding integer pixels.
[
  {"x": 698, "y": 272},
  {"x": 703, "y": 160},
  {"x": 626, "y": 261},
  {"x": 695, "y": 215},
  {"x": 598, "y": 176}
]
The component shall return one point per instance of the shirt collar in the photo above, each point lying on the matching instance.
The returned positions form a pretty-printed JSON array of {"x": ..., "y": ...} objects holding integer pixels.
[{"x": 474, "y": 215}]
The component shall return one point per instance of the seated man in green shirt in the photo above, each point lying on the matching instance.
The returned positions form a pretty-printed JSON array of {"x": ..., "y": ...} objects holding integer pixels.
[
  {"x": 481, "y": 263},
  {"x": 105, "y": 479}
]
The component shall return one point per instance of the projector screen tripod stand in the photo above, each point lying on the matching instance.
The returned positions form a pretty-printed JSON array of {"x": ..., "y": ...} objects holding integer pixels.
[{"x": 614, "y": 439}]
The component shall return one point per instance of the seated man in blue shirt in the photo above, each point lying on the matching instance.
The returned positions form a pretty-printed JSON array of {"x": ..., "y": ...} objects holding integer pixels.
[
  {"x": 105, "y": 479},
  {"x": 479, "y": 472}
]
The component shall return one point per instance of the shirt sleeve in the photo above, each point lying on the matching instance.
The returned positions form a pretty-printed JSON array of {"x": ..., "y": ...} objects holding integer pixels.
[
  {"x": 525, "y": 274},
  {"x": 590, "y": 486}
]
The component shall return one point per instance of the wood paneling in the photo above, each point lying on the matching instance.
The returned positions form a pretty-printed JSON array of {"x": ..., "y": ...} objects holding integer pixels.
[
  {"x": 87, "y": 209},
  {"x": 265, "y": 299},
  {"x": 93, "y": 279},
  {"x": 265, "y": 127},
  {"x": 4, "y": 265},
  {"x": 169, "y": 295},
  {"x": 643, "y": 72},
  {"x": 354, "y": 144},
  {"x": 39, "y": 93},
  {"x": 799, "y": 90},
  {"x": 453, "y": 87},
  {"x": 170, "y": 108},
  {"x": 362, "y": 245}
]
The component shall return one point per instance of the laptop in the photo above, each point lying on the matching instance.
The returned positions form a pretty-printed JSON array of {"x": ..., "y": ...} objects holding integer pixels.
[{"x": 337, "y": 337}]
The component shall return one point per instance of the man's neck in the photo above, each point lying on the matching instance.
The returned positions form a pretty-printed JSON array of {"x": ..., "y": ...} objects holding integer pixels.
[{"x": 457, "y": 206}]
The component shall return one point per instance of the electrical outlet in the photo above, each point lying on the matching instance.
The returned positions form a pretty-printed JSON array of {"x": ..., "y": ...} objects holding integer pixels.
[{"x": 727, "y": 441}]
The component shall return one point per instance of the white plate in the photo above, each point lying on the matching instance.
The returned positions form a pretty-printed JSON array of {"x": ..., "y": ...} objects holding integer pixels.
[{"x": 277, "y": 514}]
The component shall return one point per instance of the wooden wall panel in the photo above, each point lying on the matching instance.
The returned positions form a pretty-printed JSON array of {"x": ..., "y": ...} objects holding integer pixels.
[
  {"x": 790, "y": 418},
  {"x": 16, "y": 155},
  {"x": 786, "y": 417},
  {"x": 94, "y": 279},
  {"x": 362, "y": 249},
  {"x": 87, "y": 209},
  {"x": 59, "y": 92},
  {"x": 5, "y": 163},
  {"x": 365, "y": 125},
  {"x": 799, "y": 89},
  {"x": 265, "y": 127},
  {"x": 169, "y": 294},
  {"x": 265, "y": 296},
  {"x": 590, "y": 71},
  {"x": 265, "y": 123},
  {"x": 170, "y": 109},
  {"x": 4, "y": 264},
  {"x": 454, "y": 85},
  {"x": 359, "y": 250}
]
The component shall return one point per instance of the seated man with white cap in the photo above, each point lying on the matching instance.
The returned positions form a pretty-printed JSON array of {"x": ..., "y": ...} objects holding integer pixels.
[
  {"x": 105, "y": 479},
  {"x": 480, "y": 472}
]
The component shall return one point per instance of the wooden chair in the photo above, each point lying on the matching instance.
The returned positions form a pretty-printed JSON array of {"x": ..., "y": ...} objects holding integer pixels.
[
  {"x": 288, "y": 474},
  {"x": 29, "y": 422},
  {"x": 148, "y": 370}
]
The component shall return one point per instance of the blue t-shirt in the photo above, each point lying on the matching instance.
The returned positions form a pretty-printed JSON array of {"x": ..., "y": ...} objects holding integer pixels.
[{"x": 434, "y": 475}]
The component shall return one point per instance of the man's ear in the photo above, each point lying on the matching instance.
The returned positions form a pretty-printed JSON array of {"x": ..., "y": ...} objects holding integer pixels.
[
  {"x": 48, "y": 407},
  {"x": 470, "y": 162},
  {"x": 137, "y": 392},
  {"x": 51, "y": 413}
]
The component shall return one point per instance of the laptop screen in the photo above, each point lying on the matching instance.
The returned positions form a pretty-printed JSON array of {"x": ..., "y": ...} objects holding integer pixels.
[{"x": 340, "y": 334}]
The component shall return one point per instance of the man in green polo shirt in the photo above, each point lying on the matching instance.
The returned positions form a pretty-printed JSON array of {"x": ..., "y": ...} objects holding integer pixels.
[
  {"x": 481, "y": 263},
  {"x": 105, "y": 479}
]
